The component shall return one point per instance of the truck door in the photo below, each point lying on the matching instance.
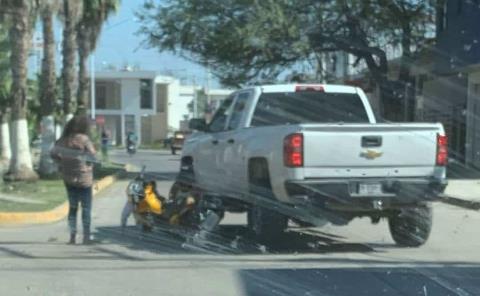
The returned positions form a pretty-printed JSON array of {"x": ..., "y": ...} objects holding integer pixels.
[
  {"x": 208, "y": 172},
  {"x": 231, "y": 151}
]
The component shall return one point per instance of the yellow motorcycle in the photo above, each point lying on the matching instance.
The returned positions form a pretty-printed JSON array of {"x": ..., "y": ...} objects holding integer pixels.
[{"x": 150, "y": 208}]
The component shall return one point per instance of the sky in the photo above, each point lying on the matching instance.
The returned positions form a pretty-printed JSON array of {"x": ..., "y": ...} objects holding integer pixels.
[{"x": 119, "y": 44}]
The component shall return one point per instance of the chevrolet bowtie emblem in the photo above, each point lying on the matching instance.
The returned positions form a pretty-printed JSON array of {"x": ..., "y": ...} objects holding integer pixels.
[{"x": 371, "y": 154}]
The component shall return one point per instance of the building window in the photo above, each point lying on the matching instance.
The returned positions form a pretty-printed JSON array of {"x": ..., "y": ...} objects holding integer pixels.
[
  {"x": 100, "y": 96},
  {"x": 146, "y": 98}
]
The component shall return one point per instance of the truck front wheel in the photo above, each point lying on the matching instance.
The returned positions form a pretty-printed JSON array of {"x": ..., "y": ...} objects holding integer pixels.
[{"x": 411, "y": 227}]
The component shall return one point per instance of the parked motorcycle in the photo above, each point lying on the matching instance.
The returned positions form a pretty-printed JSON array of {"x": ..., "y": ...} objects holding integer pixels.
[{"x": 149, "y": 208}]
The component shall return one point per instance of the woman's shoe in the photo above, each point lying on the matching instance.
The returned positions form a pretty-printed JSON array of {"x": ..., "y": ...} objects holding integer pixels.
[
  {"x": 87, "y": 239},
  {"x": 72, "y": 240}
]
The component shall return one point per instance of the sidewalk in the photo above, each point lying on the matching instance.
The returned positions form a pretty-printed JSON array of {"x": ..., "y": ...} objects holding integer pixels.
[
  {"x": 463, "y": 182},
  {"x": 464, "y": 189}
]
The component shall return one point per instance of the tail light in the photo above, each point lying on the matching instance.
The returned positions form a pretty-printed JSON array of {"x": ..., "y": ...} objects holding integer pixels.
[
  {"x": 293, "y": 150},
  {"x": 442, "y": 150},
  {"x": 300, "y": 88}
]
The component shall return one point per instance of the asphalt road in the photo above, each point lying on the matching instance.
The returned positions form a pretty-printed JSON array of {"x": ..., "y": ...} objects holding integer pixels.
[{"x": 358, "y": 259}]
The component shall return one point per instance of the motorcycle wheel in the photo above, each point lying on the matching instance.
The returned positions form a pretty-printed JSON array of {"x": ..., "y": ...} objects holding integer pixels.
[
  {"x": 147, "y": 223},
  {"x": 193, "y": 217}
]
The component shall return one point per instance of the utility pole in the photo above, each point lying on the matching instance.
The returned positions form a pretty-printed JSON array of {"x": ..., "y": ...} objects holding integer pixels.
[
  {"x": 195, "y": 99},
  {"x": 208, "y": 85}
]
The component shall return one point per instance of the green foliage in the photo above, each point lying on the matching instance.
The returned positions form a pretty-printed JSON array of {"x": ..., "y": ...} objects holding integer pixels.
[
  {"x": 96, "y": 136},
  {"x": 5, "y": 73},
  {"x": 50, "y": 194},
  {"x": 249, "y": 41},
  {"x": 108, "y": 169},
  {"x": 93, "y": 16}
]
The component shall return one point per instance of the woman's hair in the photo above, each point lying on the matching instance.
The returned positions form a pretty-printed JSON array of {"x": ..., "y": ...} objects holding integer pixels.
[{"x": 77, "y": 125}]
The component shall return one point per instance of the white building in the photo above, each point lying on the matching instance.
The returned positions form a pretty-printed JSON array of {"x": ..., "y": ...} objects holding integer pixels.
[{"x": 150, "y": 105}]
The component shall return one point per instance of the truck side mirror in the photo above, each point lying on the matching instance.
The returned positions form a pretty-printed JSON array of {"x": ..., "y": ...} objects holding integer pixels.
[{"x": 198, "y": 124}]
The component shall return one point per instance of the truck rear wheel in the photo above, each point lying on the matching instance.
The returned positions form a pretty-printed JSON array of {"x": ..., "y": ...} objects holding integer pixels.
[
  {"x": 411, "y": 228},
  {"x": 265, "y": 223}
]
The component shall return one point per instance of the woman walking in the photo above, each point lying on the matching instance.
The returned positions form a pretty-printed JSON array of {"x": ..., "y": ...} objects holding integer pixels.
[{"x": 75, "y": 154}]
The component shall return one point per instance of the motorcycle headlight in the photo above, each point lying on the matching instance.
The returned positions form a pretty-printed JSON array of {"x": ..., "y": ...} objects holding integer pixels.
[{"x": 135, "y": 188}]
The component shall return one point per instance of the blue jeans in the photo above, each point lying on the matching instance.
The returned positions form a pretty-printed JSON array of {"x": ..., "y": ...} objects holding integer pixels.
[{"x": 76, "y": 196}]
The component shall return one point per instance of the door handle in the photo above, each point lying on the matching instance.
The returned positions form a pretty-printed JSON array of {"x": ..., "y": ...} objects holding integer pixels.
[
  {"x": 215, "y": 142},
  {"x": 231, "y": 141}
]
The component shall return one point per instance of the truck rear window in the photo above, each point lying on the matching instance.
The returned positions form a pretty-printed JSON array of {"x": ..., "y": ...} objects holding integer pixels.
[{"x": 308, "y": 107}]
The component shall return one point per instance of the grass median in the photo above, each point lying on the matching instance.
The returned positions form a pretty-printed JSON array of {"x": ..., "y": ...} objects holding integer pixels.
[
  {"x": 36, "y": 196},
  {"x": 43, "y": 195}
]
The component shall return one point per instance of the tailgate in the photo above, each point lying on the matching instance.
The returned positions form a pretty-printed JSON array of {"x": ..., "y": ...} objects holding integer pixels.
[{"x": 370, "y": 150}]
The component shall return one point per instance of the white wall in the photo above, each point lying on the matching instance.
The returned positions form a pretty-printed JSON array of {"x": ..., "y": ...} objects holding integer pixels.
[
  {"x": 131, "y": 102},
  {"x": 178, "y": 99}
]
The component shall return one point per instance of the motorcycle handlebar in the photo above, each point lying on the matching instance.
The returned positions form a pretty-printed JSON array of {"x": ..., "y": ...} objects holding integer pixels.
[{"x": 142, "y": 172}]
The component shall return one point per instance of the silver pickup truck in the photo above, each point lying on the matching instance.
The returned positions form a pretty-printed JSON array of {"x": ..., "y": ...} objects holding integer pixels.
[{"x": 314, "y": 154}]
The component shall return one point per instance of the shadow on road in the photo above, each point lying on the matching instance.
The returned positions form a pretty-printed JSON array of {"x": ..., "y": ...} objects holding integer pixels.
[
  {"x": 392, "y": 281},
  {"x": 228, "y": 239}
]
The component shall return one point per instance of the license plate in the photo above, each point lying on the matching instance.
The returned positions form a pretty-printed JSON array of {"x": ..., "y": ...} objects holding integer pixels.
[{"x": 370, "y": 189}]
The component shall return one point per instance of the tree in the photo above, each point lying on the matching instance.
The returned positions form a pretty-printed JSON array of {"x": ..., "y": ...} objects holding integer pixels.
[
  {"x": 48, "y": 82},
  {"x": 71, "y": 11},
  {"x": 408, "y": 24},
  {"x": 5, "y": 83},
  {"x": 21, "y": 15},
  {"x": 247, "y": 41},
  {"x": 242, "y": 41},
  {"x": 94, "y": 14}
]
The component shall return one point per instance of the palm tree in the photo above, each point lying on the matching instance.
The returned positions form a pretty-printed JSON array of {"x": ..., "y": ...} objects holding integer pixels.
[
  {"x": 71, "y": 12},
  {"x": 48, "y": 82},
  {"x": 94, "y": 14},
  {"x": 21, "y": 17},
  {"x": 5, "y": 83}
]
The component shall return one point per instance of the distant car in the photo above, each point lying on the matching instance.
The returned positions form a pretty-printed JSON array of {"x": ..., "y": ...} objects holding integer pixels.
[{"x": 177, "y": 141}]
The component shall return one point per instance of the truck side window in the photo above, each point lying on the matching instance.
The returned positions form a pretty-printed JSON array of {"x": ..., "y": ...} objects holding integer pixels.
[
  {"x": 238, "y": 109},
  {"x": 220, "y": 118}
]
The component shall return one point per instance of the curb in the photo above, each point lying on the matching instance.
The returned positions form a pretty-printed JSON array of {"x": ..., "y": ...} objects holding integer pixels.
[{"x": 50, "y": 216}]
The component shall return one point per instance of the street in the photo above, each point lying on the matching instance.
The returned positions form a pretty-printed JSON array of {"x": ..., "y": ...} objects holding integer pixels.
[{"x": 358, "y": 259}]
